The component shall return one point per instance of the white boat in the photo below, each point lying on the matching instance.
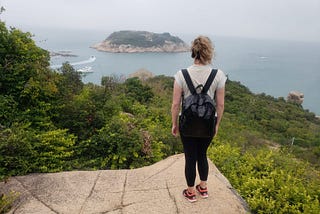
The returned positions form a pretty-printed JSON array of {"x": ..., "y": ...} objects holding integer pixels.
[
  {"x": 86, "y": 69},
  {"x": 90, "y": 60}
]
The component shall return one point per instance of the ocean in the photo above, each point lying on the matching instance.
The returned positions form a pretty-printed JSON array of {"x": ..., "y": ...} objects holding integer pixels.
[{"x": 265, "y": 66}]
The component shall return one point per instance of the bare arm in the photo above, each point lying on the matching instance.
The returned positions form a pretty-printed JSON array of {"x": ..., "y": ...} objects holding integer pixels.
[
  {"x": 220, "y": 106},
  {"x": 175, "y": 108}
]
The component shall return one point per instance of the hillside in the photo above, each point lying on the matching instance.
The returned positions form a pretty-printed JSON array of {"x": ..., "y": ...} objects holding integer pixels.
[{"x": 141, "y": 41}]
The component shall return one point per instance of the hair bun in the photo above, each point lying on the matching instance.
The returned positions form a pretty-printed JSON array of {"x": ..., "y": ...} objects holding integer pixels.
[{"x": 202, "y": 49}]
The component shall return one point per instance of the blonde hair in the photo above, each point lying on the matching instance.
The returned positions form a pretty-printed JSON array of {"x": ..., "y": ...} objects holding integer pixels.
[{"x": 202, "y": 49}]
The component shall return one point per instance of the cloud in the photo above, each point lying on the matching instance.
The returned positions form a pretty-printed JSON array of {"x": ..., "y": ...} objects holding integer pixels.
[{"x": 285, "y": 19}]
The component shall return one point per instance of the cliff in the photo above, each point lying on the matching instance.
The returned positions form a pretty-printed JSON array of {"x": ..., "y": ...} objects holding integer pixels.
[{"x": 141, "y": 41}]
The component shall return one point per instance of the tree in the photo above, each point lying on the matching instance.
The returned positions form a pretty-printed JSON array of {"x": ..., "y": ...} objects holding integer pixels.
[
  {"x": 71, "y": 83},
  {"x": 27, "y": 85},
  {"x": 80, "y": 115},
  {"x": 20, "y": 59},
  {"x": 2, "y": 9},
  {"x": 136, "y": 90}
]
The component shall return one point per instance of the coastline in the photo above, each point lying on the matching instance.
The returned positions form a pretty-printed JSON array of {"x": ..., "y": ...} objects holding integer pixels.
[
  {"x": 238, "y": 57},
  {"x": 127, "y": 48}
]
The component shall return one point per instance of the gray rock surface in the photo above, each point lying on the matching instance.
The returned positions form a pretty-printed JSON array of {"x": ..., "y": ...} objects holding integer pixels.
[{"x": 152, "y": 189}]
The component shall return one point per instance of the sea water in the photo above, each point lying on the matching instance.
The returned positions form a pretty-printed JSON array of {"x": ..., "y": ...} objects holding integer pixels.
[{"x": 264, "y": 66}]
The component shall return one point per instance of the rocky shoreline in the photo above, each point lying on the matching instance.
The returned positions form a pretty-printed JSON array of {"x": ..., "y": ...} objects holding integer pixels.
[{"x": 127, "y": 48}]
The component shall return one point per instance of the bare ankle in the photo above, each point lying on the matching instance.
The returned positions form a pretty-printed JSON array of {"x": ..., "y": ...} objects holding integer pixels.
[
  {"x": 203, "y": 184},
  {"x": 191, "y": 190}
]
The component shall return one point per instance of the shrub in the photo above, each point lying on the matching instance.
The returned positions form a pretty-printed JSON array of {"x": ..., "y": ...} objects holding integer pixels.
[
  {"x": 22, "y": 150},
  {"x": 122, "y": 144},
  {"x": 270, "y": 181}
]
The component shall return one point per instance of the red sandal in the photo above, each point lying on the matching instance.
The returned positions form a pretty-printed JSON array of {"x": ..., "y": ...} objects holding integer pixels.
[
  {"x": 191, "y": 197},
  {"x": 202, "y": 191}
]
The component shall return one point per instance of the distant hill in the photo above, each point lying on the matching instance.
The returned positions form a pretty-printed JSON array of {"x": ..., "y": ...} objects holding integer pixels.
[{"x": 141, "y": 41}]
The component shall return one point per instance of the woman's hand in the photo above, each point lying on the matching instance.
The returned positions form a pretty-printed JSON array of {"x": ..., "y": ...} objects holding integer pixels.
[{"x": 174, "y": 131}]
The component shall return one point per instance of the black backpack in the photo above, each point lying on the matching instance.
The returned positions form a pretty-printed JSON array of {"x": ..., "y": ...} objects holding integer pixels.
[{"x": 197, "y": 117}]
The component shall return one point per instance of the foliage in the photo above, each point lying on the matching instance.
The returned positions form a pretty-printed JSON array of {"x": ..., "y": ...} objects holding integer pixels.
[
  {"x": 24, "y": 150},
  {"x": 7, "y": 110},
  {"x": 52, "y": 150},
  {"x": 137, "y": 91},
  {"x": 6, "y": 201},
  {"x": 270, "y": 118},
  {"x": 122, "y": 143},
  {"x": 27, "y": 87},
  {"x": 20, "y": 59},
  {"x": 2, "y": 9},
  {"x": 70, "y": 83},
  {"x": 16, "y": 150},
  {"x": 80, "y": 115},
  {"x": 270, "y": 181}
]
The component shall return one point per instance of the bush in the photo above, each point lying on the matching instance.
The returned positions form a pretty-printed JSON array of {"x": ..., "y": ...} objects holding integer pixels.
[
  {"x": 121, "y": 144},
  {"x": 22, "y": 150},
  {"x": 16, "y": 150},
  {"x": 270, "y": 181},
  {"x": 137, "y": 91},
  {"x": 52, "y": 151}
]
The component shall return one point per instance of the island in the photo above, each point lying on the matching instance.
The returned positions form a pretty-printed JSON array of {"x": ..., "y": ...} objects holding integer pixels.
[
  {"x": 62, "y": 53},
  {"x": 141, "y": 41}
]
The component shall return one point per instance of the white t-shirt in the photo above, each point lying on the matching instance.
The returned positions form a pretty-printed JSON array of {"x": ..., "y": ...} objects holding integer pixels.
[{"x": 199, "y": 75}]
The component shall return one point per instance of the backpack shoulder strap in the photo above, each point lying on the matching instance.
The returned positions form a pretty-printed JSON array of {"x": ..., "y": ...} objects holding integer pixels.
[
  {"x": 188, "y": 81},
  {"x": 209, "y": 81}
]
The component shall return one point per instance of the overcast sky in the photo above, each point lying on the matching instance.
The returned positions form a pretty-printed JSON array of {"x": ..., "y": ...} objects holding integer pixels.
[{"x": 278, "y": 19}]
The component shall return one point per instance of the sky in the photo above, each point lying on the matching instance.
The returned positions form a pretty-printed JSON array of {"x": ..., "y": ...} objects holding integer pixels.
[{"x": 273, "y": 19}]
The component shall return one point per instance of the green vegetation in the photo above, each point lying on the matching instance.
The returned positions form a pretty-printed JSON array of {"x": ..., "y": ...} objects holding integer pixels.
[
  {"x": 254, "y": 151},
  {"x": 141, "y": 38},
  {"x": 51, "y": 121},
  {"x": 6, "y": 201},
  {"x": 259, "y": 116},
  {"x": 270, "y": 181}
]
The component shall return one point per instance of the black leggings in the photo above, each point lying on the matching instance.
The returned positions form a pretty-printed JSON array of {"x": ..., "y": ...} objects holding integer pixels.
[{"x": 195, "y": 151}]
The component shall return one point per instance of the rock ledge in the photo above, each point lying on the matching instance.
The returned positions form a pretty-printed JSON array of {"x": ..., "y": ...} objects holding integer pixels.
[{"x": 152, "y": 189}]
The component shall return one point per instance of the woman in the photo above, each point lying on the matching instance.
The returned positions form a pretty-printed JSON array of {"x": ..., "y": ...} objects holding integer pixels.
[{"x": 195, "y": 149}]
